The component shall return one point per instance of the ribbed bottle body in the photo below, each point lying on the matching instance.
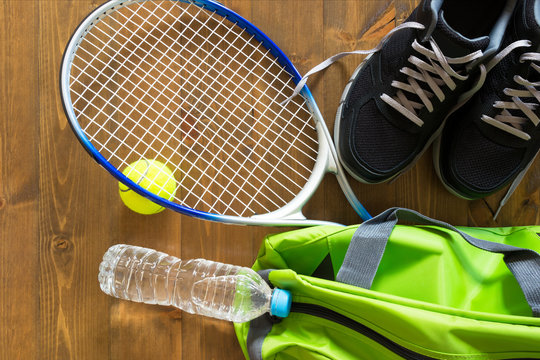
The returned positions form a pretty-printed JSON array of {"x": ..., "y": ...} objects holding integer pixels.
[{"x": 197, "y": 286}]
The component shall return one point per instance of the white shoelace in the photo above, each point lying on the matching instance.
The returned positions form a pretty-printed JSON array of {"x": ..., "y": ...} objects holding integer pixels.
[
  {"x": 513, "y": 124},
  {"x": 326, "y": 63},
  {"x": 505, "y": 120},
  {"x": 436, "y": 73}
]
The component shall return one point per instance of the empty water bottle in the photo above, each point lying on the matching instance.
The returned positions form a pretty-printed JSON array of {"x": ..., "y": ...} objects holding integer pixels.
[{"x": 197, "y": 286}]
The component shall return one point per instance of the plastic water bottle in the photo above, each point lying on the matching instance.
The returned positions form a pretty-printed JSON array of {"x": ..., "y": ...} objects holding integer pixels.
[{"x": 197, "y": 286}]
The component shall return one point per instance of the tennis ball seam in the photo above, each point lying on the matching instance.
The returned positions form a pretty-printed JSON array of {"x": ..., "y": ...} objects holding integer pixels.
[
  {"x": 159, "y": 183},
  {"x": 138, "y": 182}
]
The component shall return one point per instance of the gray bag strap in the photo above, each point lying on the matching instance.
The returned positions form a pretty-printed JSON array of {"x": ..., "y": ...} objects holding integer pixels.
[
  {"x": 259, "y": 328},
  {"x": 369, "y": 242}
]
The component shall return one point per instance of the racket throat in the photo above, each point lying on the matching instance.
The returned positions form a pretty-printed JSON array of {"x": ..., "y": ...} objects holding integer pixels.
[{"x": 281, "y": 214}]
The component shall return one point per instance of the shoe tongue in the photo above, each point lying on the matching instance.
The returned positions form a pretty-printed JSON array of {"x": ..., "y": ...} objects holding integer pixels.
[{"x": 452, "y": 43}]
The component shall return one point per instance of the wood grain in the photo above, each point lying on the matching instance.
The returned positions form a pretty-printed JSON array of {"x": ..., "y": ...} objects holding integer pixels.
[
  {"x": 19, "y": 185},
  {"x": 373, "y": 20},
  {"x": 59, "y": 211},
  {"x": 73, "y": 321}
]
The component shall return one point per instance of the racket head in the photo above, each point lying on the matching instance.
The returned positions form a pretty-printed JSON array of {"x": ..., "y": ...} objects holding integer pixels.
[{"x": 288, "y": 214}]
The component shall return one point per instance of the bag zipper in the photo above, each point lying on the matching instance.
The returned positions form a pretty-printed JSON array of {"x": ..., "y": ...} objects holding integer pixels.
[{"x": 331, "y": 315}]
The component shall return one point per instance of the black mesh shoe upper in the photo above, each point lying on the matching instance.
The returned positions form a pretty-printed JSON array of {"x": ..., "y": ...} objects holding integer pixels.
[
  {"x": 475, "y": 158},
  {"x": 375, "y": 140}
]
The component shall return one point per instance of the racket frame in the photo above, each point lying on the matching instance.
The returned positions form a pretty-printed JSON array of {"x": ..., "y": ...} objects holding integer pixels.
[{"x": 288, "y": 215}]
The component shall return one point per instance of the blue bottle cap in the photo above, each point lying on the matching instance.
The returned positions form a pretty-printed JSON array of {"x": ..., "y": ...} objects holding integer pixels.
[{"x": 280, "y": 304}]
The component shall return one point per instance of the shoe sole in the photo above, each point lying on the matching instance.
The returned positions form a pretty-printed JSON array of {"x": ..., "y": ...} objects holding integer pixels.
[{"x": 435, "y": 135}]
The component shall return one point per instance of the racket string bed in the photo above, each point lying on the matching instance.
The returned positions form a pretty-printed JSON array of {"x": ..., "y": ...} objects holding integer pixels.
[
  {"x": 206, "y": 115},
  {"x": 242, "y": 64}
]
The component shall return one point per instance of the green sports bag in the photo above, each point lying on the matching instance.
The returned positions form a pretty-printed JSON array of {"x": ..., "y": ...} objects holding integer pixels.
[{"x": 386, "y": 291}]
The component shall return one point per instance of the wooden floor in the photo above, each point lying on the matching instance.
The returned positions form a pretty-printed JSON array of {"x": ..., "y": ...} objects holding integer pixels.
[{"x": 59, "y": 211}]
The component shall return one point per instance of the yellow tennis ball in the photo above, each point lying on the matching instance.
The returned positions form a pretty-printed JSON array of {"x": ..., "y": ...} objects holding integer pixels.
[{"x": 153, "y": 176}]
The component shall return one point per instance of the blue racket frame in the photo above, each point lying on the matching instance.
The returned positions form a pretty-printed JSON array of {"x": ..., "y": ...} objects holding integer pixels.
[{"x": 290, "y": 214}]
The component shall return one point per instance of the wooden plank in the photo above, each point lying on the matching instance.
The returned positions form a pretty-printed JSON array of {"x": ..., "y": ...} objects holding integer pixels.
[
  {"x": 19, "y": 180},
  {"x": 59, "y": 212},
  {"x": 134, "y": 324},
  {"x": 373, "y": 20},
  {"x": 521, "y": 208},
  {"x": 75, "y": 211},
  {"x": 404, "y": 8}
]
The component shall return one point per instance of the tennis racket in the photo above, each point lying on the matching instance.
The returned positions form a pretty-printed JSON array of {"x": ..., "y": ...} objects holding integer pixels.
[{"x": 198, "y": 88}]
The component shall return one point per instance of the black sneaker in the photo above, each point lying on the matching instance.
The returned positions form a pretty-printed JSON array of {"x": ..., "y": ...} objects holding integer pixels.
[
  {"x": 491, "y": 142},
  {"x": 398, "y": 99}
]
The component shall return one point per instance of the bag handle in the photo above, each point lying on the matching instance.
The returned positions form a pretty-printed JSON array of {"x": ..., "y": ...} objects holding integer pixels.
[{"x": 369, "y": 242}]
